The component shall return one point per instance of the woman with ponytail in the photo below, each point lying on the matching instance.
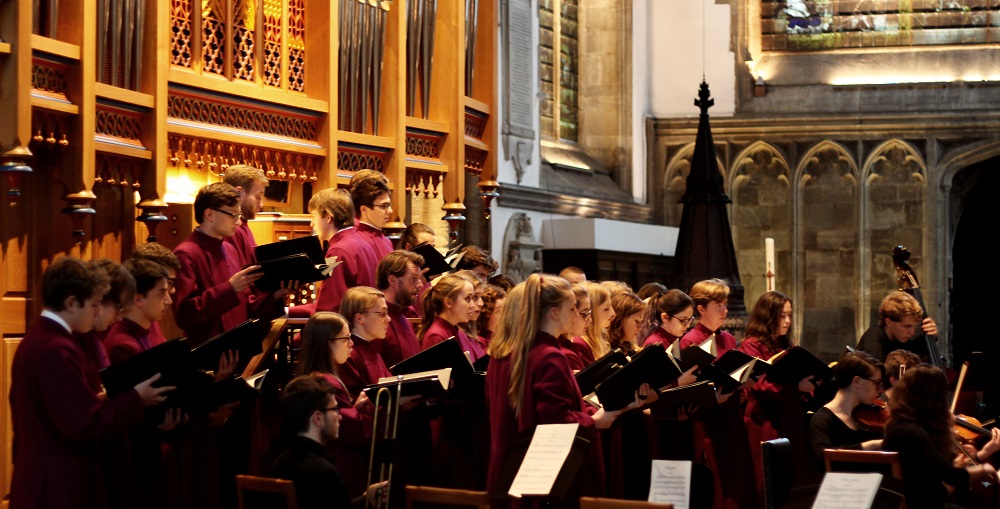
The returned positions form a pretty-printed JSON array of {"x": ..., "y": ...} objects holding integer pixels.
[
  {"x": 450, "y": 302},
  {"x": 529, "y": 381},
  {"x": 670, "y": 314}
]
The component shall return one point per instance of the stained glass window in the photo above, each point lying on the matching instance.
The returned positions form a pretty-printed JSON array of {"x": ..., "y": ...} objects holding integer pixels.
[{"x": 558, "y": 71}]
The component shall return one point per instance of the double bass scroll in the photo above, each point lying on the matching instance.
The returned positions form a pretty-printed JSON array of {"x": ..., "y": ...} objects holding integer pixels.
[{"x": 909, "y": 283}]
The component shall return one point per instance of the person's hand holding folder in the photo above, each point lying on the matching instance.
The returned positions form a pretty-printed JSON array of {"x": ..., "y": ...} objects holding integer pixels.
[
  {"x": 227, "y": 364},
  {"x": 246, "y": 277},
  {"x": 152, "y": 395},
  {"x": 604, "y": 419},
  {"x": 285, "y": 288}
]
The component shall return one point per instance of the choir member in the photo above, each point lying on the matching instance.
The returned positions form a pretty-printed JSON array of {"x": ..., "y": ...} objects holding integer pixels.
[
  {"x": 896, "y": 363},
  {"x": 595, "y": 336},
  {"x": 775, "y": 410},
  {"x": 373, "y": 207},
  {"x": 58, "y": 418},
  {"x": 529, "y": 381},
  {"x": 650, "y": 290},
  {"x": 502, "y": 281},
  {"x": 368, "y": 314},
  {"x": 920, "y": 430},
  {"x": 250, "y": 183},
  {"x": 131, "y": 335},
  {"x": 117, "y": 299},
  {"x": 711, "y": 306},
  {"x": 311, "y": 417},
  {"x": 213, "y": 292},
  {"x": 477, "y": 260},
  {"x": 900, "y": 319},
  {"x": 617, "y": 287},
  {"x": 670, "y": 313},
  {"x": 576, "y": 350},
  {"x": 416, "y": 234},
  {"x": 158, "y": 253},
  {"x": 326, "y": 347},
  {"x": 333, "y": 220},
  {"x": 575, "y": 275},
  {"x": 398, "y": 278},
  {"x": 623, "y": 330},
  {"x": 492, "y": 305},
  {"x": 446, "y": 305},
  {"x": 859, "y": 380},
  {"x": 470, "y": 327}
]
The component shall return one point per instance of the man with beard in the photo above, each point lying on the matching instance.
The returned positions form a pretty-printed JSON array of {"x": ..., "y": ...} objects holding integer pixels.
[
  {"x": 398, "y": 277},
  {"x": 250, "y": 183},
  {"x": 311, "y": 419}
]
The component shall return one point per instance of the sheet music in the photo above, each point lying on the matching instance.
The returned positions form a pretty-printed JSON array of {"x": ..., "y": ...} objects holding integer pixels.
[
  {"x": 670, "y": 483},
  {"x": 847, "y": 491},
  {"x": 546, "y": 455}
]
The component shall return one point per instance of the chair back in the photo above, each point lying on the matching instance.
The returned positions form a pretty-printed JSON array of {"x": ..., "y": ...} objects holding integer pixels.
[
  {"x": 846, "y": 460},
  {"x": 265, "y": 493},
  {"x": 613, "y": 503},
  {"x": 426, "y": 497},
  {"x": 776, "y": 456}
]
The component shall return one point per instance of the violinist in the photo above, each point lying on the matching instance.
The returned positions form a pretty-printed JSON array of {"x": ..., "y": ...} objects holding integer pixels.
[
  {"x": 859, "y": 379},
  {"x": 920, "y": 429},
  {"x": 899, "y": 317}
]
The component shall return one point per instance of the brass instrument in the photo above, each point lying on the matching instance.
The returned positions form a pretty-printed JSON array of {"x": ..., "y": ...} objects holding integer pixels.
[{"x": 388, "y": 439}]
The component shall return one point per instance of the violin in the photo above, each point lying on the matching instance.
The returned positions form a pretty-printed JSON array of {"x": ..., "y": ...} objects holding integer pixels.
[
  {"x": 872, "y": 417},
  {"x": 968, "y": 429}
]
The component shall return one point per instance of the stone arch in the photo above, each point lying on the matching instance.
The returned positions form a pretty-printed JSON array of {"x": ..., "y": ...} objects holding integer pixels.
[
  {"x": 675, "y": 183},
  {"x": 760, "y": 187},
  {"x": 826, "y": 237},
  {"x": 894, "y": 212}
]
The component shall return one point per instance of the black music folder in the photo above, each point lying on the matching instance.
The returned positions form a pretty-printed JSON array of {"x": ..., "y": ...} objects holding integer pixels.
[
  {"x": 446, "y": 354},
  {"x": 246, "y": 338},
  {"x": 651, "y": 365},
  {"x": 591, "y": 376},
  {"x": 794, "y": 364},
  {"x": 296, "y": 267},
  {"x": 427, "y": 385},
  {"x": 435, "y": 262},
  {"x": 309, "y": 246},
  {"x": 741, "y": 366},
  {"x": 698, "y": 393}
]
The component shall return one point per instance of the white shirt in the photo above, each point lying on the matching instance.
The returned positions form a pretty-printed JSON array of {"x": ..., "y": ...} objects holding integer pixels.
[{"x": 51, "y": 315}]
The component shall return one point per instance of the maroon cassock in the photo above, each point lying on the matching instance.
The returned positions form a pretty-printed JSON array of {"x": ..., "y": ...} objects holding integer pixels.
[
  {"x": 244, "y": 243},
  {"x": 96, "y": 356},
  {"x": 441, "y": 330},
  {"x": 352, "y": 448},
  {"x": 206, "y": 304},
  {"x": 720, "y": 436},
  {"x": 357, "y": 269},
  {"x": 400, "y": 341},
  {"x": 584, "y": 351},
  {"x": 58, "y": 420},
  {"x": 126, "y": 339},
  {"x": 572, "y": 352},
  {"x": 364, "y": 366},
  {"x": 774, "y": 411},
  {"x": 156, "y": 334},
  {"x": 376, "y": 239},
  {"x": 661, "y": 336},
  {"x": 551, "y": 396}
]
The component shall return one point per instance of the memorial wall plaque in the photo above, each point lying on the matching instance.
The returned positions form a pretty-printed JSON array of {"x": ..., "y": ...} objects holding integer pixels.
[{"x": 518, "y": 94}]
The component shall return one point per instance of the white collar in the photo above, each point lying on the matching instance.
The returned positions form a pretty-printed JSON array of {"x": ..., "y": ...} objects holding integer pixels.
[{"x": 51, "y": 315}]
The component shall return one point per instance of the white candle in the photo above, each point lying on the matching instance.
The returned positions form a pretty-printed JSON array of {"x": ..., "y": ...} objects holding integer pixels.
[{"x": 769, "y": 269}]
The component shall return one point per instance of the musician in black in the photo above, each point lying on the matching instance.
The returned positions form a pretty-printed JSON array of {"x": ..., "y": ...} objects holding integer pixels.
[
  {"x": 311, "y": 417},
  {"x": 901, "y": 321}
]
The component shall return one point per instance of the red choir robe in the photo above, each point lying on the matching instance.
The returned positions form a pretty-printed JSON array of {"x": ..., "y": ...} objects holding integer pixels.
[
  {"x": 584, "y": 351},
  {"x": 364, "y": 366},
  {"x": 376, "y": 239},
  {"x": 246, "y": 247},
  {"x": 96, "y": 355},
  {"x": 126, "y": 339},
  {"x": 58, "y": 420},
  {"x": 551, "y": 396},
  {"x": 206, "y": 304},
  {"x": 441, "y": 330},
  {"x": 572, "y": 351},
  {"x": 775, "y": 411},
  {"x": 400, "y": 340},
  {"x": 661, "y": 336},
  {"x": 156, "y": 334},
  {"x": 352, "y": 449},
  {"x": 357, "y": 269},
  {"x": 720, "y": 436}
]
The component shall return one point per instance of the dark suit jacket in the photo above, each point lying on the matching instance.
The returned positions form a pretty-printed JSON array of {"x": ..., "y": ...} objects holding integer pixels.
[{"x": 317, "y": 482}]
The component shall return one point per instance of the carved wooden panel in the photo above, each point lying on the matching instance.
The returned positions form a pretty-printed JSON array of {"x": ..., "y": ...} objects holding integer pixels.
[
  {"x": 48, "y": 77},
  {"x": 297, "y": 45},
  {"x": 271, "y": 61},
  {"x": 189, "y": 105},
  {"x": 215, "y": 157},
  {"x": 423, "y": 144},
  {"x": 353, "y": 157},
  {"x": 474, "y": 159},
  {"x": 244, "y": 23},
  {"x": 475, "y": 123},
  {"x": 113, "y": 170},
  {"x": 180, "y": 32},
  {"x": 118, "y": 123},
  {"x": 422, "y": 181},
  {"x": 213, "y": 28}
]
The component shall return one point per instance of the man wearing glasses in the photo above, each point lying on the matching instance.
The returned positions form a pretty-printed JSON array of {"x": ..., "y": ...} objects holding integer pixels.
[
  {"x": 311, "y": 418},
  {"x": 213, "y": 291},
  {"x": 373, "y": 208}
]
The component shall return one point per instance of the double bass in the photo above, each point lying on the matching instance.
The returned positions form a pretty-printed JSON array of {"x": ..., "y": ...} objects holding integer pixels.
[{"x": 909, "y": 283}]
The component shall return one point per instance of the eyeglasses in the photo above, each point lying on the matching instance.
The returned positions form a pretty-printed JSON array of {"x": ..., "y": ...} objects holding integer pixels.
[
  {"x": 236, "y": 217},
  {"x": 684, "y": 321},
  {"x": 333, "y": 409},
  {"x": 586, "y": 314},
  {"x": 383, "y": 206},
  {"x": 878, "y": 383},
  {"x": 341, "y": 338},
  {"x": 382, "y": 314}
]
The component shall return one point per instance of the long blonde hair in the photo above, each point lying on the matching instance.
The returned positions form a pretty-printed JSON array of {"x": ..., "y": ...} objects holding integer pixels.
[
  {"x": 448, "y": 287},
  {"x": 595, "y": 335},
  {"x": 519, "y": 323}
]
